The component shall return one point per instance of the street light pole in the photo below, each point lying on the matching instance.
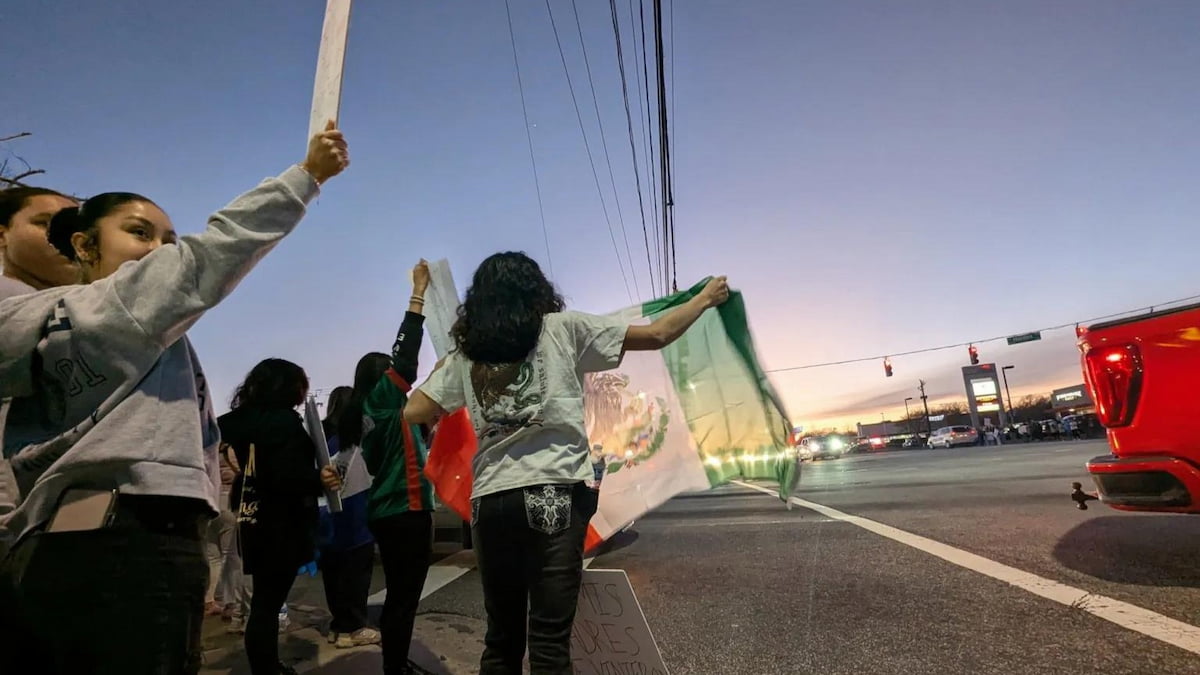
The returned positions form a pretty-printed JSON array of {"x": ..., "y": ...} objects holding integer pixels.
[
  {"x": 1004, "y": 374},
  {"x": 907, "y": 415}
]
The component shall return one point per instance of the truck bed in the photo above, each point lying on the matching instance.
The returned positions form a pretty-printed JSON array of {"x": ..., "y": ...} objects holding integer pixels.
[{"x": 1143, "y": 317}]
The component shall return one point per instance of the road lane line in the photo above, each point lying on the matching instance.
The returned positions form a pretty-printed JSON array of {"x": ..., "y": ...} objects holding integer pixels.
[
  {"x": 440, "y": 575},
  {"x": 1152, "y": 624}
]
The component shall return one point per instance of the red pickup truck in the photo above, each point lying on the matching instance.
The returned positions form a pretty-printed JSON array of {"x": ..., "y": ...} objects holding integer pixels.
[{"x": 1144, "y": 375}]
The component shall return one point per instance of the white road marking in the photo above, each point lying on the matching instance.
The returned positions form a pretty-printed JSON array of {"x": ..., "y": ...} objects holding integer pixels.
[
  {"x": 756, "y": 521},
  {"x": 440, "y": 575},
  {"x": 1152, "y": 624}
]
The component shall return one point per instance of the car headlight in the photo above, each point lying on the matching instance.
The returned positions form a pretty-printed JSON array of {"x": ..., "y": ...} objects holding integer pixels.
[{"x": 836, "y": 444}]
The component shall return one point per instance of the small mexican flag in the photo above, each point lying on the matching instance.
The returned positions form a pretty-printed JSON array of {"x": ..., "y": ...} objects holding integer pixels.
[{"x": 688, "y": 418}]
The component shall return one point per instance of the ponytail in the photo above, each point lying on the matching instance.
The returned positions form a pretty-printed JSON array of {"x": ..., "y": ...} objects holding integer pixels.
[
  {"x": 84, "y": 218},
  {"x": 63, "y": 227}
]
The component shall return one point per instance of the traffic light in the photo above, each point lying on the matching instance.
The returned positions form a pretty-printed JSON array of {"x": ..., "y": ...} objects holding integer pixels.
[
  {"x": 887, "y": 366},
  {"x": 974, "y": 352}
]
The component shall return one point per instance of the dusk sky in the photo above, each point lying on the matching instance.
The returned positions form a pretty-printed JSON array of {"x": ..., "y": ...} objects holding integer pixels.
[{"x": 876, "y": 177}]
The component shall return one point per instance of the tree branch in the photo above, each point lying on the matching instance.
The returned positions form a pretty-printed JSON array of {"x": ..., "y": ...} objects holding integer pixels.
[
  {"x": 15, "y": 181},
  {"x": 23, "y": 134}
]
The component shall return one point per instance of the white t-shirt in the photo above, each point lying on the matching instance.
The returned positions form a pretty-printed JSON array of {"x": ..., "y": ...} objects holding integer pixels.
[{"x": 528, "y": 416}]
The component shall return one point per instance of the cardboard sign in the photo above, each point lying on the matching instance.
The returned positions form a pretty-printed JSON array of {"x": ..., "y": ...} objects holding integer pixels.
[
  {"x": 611, "y": 636},
  {"x": 312, "y": 420},
  {"x": 327, "y": 87},
  {"x": 441, "y": 307}
]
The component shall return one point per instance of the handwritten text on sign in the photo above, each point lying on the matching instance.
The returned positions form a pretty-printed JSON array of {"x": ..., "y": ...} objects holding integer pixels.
[{"x": 611, "y": 636}]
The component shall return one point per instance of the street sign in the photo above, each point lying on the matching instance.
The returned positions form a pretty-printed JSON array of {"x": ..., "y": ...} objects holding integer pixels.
[{"x": 1025, "y": 337}]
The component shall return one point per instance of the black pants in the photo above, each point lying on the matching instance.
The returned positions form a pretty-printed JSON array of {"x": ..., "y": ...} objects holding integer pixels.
[
  {"x": 405, "y": 544},
  {"x": 347, "y": 578},
  {"x": 128, "y": 598},
  {"x": 273, "y": 581},
  {"x": 529, "y": 546}
]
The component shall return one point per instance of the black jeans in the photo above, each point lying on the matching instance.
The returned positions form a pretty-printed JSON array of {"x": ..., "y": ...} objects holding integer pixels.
[
  {"x": 347, "y": 578},
  {"x": 128, "y": 598},
  {"x": 405, "y": 544},
  {"x": 273, "y": 581},
  {"x": 529, "y": 547}
]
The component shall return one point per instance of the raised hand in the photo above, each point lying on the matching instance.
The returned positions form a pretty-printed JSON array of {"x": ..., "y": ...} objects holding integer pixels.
[
  {"x": 716, "y": 292},
  {"x": 328, "y": 154},
  {"x": 420, "y": 276}
]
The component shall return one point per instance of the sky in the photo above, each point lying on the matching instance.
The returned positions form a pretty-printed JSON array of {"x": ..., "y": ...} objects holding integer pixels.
[{"x": 874, "y": 177}]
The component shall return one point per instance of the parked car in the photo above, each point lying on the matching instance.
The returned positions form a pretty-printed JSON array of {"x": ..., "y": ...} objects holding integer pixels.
[
  {"x": 951, "y": 437},
  {"x": 917, "y": 441},
  {"x": 860, "y": 445},
  {"x": 1141, "y": 373}
]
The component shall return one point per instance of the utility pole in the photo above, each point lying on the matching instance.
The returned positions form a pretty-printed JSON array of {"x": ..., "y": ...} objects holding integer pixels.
[
  {"x": 925, "y": 402},
  {"x": 1004, "y": 373},
  {"x": 907, "y": 415}
]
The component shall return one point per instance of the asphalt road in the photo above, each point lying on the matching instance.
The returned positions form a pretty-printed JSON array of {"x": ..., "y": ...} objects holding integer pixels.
[{"x": 732, "y": 582}]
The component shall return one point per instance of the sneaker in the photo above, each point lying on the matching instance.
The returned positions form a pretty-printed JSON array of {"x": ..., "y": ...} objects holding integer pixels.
[
  {"x": 359, "y": 638},
  {"x": 333, "y": 637},
  {"x": 212, "y": 608},
  {"x": 237, "y": 626}
]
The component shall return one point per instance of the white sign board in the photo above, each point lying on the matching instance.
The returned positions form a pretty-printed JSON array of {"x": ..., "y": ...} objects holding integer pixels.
[
  {"x": 327, "y": 87},
  {"x": 441, "y": 307},
  {"x": 312, "y": 420},
  {"x": 611, "y": 636}
]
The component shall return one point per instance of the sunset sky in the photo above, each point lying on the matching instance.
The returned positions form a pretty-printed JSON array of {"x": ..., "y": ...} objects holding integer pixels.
[{"x": 877, "y": 177}]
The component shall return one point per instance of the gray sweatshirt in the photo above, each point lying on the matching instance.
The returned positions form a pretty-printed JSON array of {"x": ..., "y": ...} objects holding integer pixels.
[
  {"x": 8, "y": 288},
  {"x": 107, "y": 391}
]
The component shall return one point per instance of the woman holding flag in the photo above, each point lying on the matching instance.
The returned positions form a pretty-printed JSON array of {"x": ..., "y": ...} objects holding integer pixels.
[{"x": 519, "y": 368}]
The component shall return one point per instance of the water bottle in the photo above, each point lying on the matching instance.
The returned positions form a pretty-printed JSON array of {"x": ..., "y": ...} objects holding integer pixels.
[{"x": 283, "y": 617}]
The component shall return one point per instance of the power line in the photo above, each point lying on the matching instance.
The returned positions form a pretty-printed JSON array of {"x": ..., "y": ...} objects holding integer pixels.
[
  {"x": 529, "y": 137},
  {"x": 959, "y": 345},
  {"x": 644, "y": 85},
  {"x": 671, "y": 157},
  {"x": 604, "y": 144},
  {"x": 664, "y": 145},
  {"x": 637, "y": 172},
  {"x": 587, "y": 146}
]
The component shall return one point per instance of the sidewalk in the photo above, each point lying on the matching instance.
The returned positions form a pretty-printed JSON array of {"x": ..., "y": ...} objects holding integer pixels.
[{"x": 445, "y": 644}]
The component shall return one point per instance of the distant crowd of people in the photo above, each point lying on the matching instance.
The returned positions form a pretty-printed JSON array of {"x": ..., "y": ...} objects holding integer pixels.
[
  {"x": 1070, "y": 427},
  {"x": 130, "y": 511}
]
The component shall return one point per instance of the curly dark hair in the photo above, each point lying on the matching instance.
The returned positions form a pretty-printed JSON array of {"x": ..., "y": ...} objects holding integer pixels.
[
  {"x": 273, "y": 383},
  {"x": 500, "y": 319}
]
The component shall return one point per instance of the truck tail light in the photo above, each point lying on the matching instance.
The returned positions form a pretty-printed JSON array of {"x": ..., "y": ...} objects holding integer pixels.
[{"x": 1114, "y": 374}]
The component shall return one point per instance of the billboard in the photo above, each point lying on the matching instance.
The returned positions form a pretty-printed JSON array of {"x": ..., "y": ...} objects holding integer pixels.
[{"x": 982, "y": 383}]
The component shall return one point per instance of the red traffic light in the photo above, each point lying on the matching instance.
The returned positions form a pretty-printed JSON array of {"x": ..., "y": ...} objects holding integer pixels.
[
  {"x": 974, "y": 352},
  {"x": 887, "y": 367}
]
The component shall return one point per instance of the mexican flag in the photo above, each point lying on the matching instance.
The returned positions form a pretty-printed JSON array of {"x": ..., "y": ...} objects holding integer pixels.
[{"x": 688, "y": 418}]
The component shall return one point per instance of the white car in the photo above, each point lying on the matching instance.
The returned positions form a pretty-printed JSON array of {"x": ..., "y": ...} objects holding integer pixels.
[{"x": 949, "y": 437}]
